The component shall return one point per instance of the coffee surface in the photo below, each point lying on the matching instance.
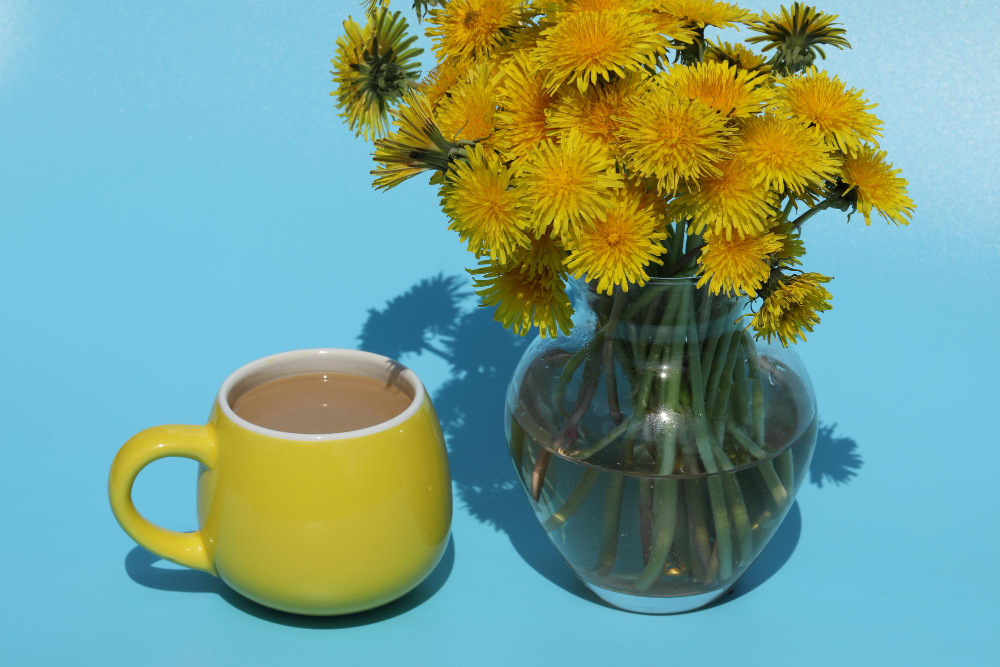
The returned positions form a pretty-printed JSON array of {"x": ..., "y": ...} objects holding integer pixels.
[{"x": 320, "y": 403}]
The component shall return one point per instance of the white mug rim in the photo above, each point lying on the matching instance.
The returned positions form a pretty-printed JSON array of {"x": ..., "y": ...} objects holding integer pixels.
[{"x": 317, "y": 360}]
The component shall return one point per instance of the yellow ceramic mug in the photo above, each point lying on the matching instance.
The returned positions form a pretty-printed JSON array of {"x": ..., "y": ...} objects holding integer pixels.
[{"x": 312, "y": 524}]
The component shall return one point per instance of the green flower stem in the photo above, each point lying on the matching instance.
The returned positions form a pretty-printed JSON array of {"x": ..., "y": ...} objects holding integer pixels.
[
  {"x": 720, "y": 409},
  {"x": 610, "y": 376},
  {"x": 741, "y": 518},
  {"x": 665, "y": 519},
  {"x": 719, "y": 361},
  {"x": 701, "y": 545},
  {"x": 665, "y": 490},
  {"x": 625, "y": 358},
  {"x": 517, "y": 444},
  {"x": 716, "y": 493},
  {"x": 646, "y": 517},
  {"x": 611, "y": 523},
  {"x": 675, "y": 372},
  {"x": 766, "y": 467},
  {"x": 822, "y": 206},
  {"x": 538, "y": 473},
  {"x": 786, "y": 469},
  {"x": 744, "y": 439},
  {"x": 753, "y": 364},
  {"x": 644, "y": 333},
  {"x": 742, "y": 397},
  {"x": 609, "y": 437},
  {"x": 573, "y": 502},
  {"x": 705, "y": 316},
  {"x": 706, "y": 446},
  {"x": 569, "y": 370},
  {"x": 715, "y": 332}
]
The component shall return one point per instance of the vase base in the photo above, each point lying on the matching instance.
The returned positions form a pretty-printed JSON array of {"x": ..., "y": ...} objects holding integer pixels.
[{"x": 647, "y": 604}]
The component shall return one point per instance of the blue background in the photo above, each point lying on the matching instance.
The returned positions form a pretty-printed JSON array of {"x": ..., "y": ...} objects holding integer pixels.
[{"x": 178, "y": 198}]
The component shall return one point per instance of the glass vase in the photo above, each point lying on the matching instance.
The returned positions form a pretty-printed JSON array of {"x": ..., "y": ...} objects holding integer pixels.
[{"x": 660, "y": 444}]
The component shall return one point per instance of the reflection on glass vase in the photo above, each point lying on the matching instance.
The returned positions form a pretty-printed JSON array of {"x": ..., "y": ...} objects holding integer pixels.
[{"x": 660, "y": 445}]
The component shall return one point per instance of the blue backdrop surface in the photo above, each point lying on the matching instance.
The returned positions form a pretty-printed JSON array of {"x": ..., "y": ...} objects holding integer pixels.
[{"x": 178, "y": 197}]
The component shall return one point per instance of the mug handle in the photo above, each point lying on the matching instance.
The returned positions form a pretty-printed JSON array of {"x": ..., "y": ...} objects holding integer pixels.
[{"x": 192, "y": 442}]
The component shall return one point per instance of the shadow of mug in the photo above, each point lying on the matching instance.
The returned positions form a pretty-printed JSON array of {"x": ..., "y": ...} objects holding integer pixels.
[{"x": 140, "y": 565}]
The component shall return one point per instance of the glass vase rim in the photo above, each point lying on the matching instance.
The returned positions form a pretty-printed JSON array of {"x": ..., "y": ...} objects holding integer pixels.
[{"x": 678, "y": 281}]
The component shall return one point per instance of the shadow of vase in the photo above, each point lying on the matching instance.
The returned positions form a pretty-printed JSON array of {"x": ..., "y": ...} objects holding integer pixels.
[{"x": 141, "y": 567}]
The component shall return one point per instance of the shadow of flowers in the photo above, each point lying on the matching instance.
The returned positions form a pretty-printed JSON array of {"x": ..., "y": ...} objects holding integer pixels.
[{"x": 836, "y": 458}]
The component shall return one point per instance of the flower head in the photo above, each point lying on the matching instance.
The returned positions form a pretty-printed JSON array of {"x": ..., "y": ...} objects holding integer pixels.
[
  {"x": 524, "y": 300},
  {"x": 438, "y": 81},
  {"x": 731, "y": 91},
  {"x": 543, "y": 257},
  {"x": 373, "y": 68},
  {"x": 568, "y": 183},
  {"x": 792, "y": 308},
  {"x": 736, "y": 55},
  {"x": 616, "y": 249},
  {"x": 595, "y": 114},
  {"x": 797, "y": 36},
  {"x": 524, "y": 101},
  {"x": 483, "y": 207},
  {"x": 666, "y": 136},
  {"x": 416, "y": 144},
  {"x": 874, "y": 185},
  {"x": 785, "y": 154},
  {"x": 469, "y": 112},
  {"x": 467, "y": 28},
  {"x": 732, "y": 199},
  {"x": 737, "y": 265},
  {"x": 584, "y": 47},
  {"x": 841, "y": 115},
  {"x": 703, "y": 13}
]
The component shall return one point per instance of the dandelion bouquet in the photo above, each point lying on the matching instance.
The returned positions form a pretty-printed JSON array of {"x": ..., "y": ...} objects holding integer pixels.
[{"x": 615, "y": 142}]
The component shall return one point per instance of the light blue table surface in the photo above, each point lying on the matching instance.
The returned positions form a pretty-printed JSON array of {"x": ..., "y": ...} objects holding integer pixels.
[{"x": 178, "y": 197}]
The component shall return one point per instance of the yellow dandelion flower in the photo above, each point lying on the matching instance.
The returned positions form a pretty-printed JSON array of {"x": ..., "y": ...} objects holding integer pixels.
[
  {"x": 737, "y": 55},
  {"x": 785, "y": 154},
  {"x": 730, "y": 200},
  {"x": 373, "y": 6},
  {"x": 587, "y": 46},
  {"x": 415, "y": 146},
  {"x": 467, "y": 28},
  {"x": 568, "y": 183},
  {"x": 524, "y": 100},
  {"x": 731, "y": 91},
  {"x": 875, "y": 185},
  {"x": 577, "y": 6},
  {"x": 703, "y": 13},
  {"x": 737, "y": 265},
  {"x": 792, "y": 247},
  {"x": 671, "y": 138},
  {"x": 797, "y": 36},
  {"x": 483, "y": 207},
  {"x": 524, "y": 300},
  {"x": 596, "y": 113},
  {"x": 616, "y": 249},
  {"x": 469, "y": 113},
  {"x": 792, "y": 308},
  {"x": 841, "y": 115},
  {"x": 439, "y": 80},
  {"x": 679, "y": 31},
  {"x": 374, "y": 67},
  {"x": 543, "y": 257}
]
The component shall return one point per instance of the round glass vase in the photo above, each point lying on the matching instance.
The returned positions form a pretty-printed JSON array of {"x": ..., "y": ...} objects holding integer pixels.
[{"x": 660, "y": 444}]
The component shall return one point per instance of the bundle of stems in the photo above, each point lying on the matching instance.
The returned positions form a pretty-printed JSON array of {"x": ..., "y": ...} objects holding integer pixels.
[{"x": 681, "y": 384}]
